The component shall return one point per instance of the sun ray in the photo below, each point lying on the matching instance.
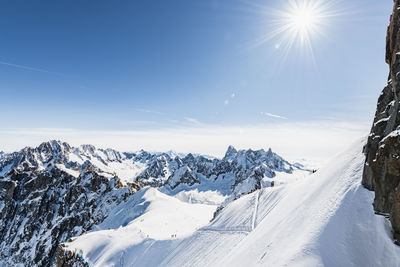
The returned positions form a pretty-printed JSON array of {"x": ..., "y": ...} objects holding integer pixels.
[
  {"x": 299, "y": 25},
  {"x": 295, "y": 28}
]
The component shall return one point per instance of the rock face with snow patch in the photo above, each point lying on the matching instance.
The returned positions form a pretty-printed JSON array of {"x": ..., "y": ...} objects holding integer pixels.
[
  {"x": 42, "y": 206},
  {"x": 382, "y": 167}
]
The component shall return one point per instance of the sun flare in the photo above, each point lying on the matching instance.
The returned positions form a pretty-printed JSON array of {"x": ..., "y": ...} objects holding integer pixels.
[
  {"x": 303, "y": 19},
  {"x": 299, "y": 25}
]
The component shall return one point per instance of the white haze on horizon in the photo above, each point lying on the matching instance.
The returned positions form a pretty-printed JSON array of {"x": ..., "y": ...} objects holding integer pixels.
[{"x": 313, "y": 141}]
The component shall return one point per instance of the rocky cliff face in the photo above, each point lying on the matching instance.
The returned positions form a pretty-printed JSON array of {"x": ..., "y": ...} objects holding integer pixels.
[
  {"x": 382, "y": 167},
  {"x": 40, "y": 210}
]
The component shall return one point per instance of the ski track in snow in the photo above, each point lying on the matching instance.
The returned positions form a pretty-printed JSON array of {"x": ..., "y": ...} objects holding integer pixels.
[{"x": 257, "y": 198}]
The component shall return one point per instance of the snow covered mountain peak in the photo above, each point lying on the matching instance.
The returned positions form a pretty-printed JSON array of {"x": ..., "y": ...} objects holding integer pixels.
[
  {"x": 246, "y": 158},
  {"x": 230, "y": 153},
  {"x": 56, "y": 191},
  {"x": 144, "y": 168}
]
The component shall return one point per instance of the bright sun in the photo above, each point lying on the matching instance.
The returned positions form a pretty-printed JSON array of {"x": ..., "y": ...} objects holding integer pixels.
[
  {"x": 303, "y": 19},
  {"x": 300, "y": 24}
]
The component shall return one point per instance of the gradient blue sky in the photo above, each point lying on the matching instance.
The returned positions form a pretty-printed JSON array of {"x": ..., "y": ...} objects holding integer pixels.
[{"x": 153, "y": 66}]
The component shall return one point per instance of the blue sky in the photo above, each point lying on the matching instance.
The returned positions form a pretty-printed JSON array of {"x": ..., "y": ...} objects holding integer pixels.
[{"x": 155, "y": 66}]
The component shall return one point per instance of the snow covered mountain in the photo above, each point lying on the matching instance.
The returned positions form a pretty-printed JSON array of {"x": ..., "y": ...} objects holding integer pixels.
[
  {"x": 68, "y": 206},
  {"x": 324, "y": 219},
  {"x": 238, "y": 169},
  {"x": 55, "y": 191}
]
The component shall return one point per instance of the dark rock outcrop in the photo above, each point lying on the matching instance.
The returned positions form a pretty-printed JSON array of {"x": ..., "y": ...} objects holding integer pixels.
[
  {"x": 382, "y": 166},
  {"x": 42, "y": 209},
  {"x": 67, "y": 258}
]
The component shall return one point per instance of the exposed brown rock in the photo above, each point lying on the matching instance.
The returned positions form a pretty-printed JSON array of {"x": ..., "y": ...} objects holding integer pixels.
[
  {"x": 66, "y": 258},
  {"x": 382, "y": 166}
]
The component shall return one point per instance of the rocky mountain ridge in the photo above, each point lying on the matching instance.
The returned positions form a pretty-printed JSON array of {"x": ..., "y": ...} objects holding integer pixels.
[
  {"x": 147, "y": 169},
  {"x": 55, "y": 191}
]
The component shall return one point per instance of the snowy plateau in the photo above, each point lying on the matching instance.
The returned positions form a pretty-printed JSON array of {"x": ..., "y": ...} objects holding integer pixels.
[{"x": 83, "y": 206}]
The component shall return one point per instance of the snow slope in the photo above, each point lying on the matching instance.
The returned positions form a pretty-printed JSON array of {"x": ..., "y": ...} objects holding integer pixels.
[
  {"x": 148, "y": 218},
  {"x": 325, "y": 219}
]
